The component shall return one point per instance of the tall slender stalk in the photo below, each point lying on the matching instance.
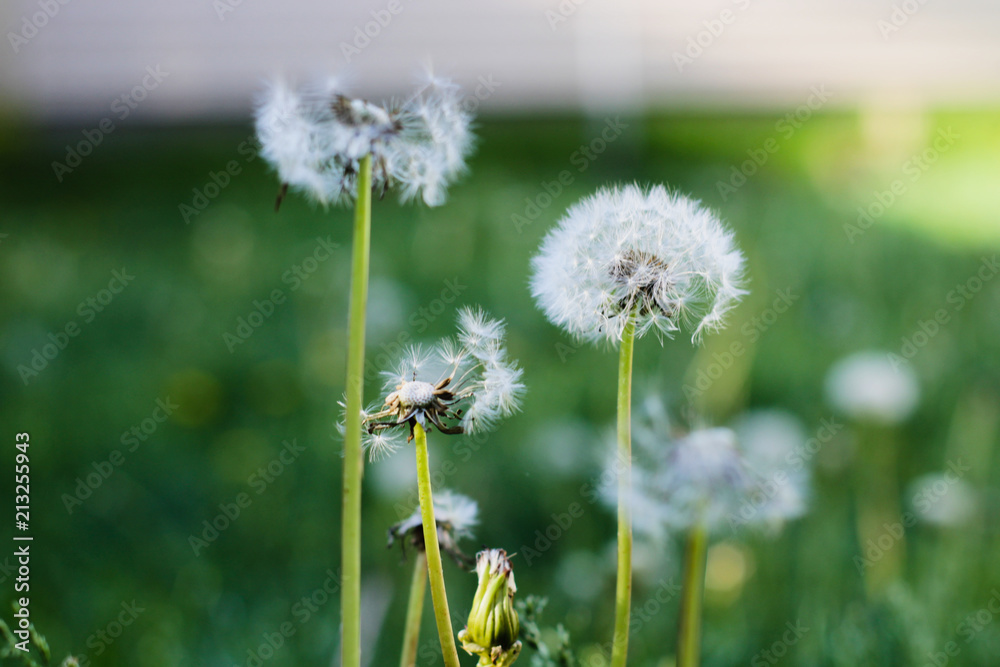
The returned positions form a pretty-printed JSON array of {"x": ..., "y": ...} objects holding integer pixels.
[
  {"x": 433, "y": 551},
  {"x": 623, "y": 588},
  {"x": 689, "y": 631},
  {"x": 350, "y": 601},
  {"x": 414, "y": 611}
]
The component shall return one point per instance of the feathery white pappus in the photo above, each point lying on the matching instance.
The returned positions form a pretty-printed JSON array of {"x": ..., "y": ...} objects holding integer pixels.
[
  {"x": 711, "y": 478},
  {"x": 461, "y": 385},
  {"x": 645, "y": 251},
  {"x": 455, "y": 515},
  {"x": 315, "y": 137}
]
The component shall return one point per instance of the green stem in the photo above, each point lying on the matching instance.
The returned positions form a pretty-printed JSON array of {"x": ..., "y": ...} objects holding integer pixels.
[
  {"x": 623, "y": 588},
  {"x": 689, "y": 632},
  {"x": 350, "y": 601},
  {"x": 433, "y": 551},
  {"x": 414, "y": 611}
]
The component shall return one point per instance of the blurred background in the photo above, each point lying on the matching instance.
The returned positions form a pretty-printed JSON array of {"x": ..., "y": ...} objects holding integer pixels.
[{"x": 166, "y": 335}]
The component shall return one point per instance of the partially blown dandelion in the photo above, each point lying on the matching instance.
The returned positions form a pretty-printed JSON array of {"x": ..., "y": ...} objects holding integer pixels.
[
  {"x": 316, "y": 137},
  {"x": 628, "y": 252},
  {"x": 455, "y": 515},
  {"x": 706, "y": 480},
  {"x": 457, "y": 386}
]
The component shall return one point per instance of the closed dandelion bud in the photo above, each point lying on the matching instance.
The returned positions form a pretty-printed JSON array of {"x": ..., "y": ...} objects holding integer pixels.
[{"x": 493, "y": 626}]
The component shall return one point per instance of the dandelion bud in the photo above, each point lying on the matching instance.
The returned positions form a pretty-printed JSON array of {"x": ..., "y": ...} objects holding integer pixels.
[{"x": 493, "y": 626}]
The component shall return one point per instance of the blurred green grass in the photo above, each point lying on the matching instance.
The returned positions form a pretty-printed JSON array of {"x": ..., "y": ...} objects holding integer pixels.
[{"x": 162, "y": 336}]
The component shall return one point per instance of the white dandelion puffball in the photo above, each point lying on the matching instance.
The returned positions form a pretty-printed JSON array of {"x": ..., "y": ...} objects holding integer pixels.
[
  {"x": 714, "y": 479},
  {"x": 629, "y": 251},
  {"x": 315, "y": 138},
  {"x": 867, "y": 386},
  {"x": 942, "y": 499},
  {"x": 461, "y": 385},
  {"x": 773, "y": 445}
]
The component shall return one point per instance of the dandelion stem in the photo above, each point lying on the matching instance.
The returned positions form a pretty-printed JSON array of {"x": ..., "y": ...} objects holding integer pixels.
[
  {"x": 623, "y": 588},
  {"x": 689, "y": 631},
  {"x": 414, "y": 611},
  {"x": 433, "y": 551},
  {"x": 350, "y": 612}
]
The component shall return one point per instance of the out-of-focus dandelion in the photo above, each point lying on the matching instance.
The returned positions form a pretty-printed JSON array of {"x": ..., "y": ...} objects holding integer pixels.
[
  {"x": 708, "y": 482},
  {"x": 942, "y": 499},
  {"x": 623, "y": 262},
  {"x": 455, "y": 515},
  {"x": 316, "y": 137},
  {"x": 876, "y": 394},
  {"x": 866, "y": 386}
]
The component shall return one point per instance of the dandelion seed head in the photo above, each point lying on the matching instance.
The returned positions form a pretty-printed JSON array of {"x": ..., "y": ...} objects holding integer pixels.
[
  {"x": 315, "y": 138},
  {"x": 416, "y": 394},
  {"x": 628, "y": 250},
  {"x": 455, "y": 516},
  {"x": 456, "y": 386},
  {"x": 711, "y": 477}
]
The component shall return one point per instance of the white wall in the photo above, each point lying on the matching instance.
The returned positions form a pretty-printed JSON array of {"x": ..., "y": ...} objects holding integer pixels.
[{"x": 605, "y": 53}]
